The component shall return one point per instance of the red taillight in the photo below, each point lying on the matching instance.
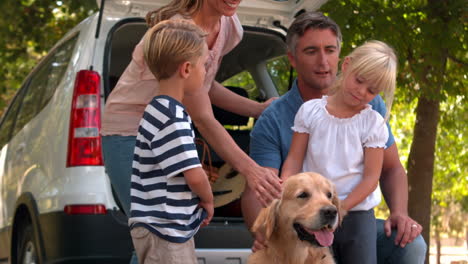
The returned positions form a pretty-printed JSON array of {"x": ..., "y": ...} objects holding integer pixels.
[
  {"x": 77, "y": 209},
  {"x": 84, "y": 142}
]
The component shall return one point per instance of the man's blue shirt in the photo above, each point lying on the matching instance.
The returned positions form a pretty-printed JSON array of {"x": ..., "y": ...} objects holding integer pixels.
[{"x": 271, "y": 136}]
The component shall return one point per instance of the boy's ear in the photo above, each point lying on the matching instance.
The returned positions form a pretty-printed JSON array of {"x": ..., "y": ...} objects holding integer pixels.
[{"x": 185, "y": 69}]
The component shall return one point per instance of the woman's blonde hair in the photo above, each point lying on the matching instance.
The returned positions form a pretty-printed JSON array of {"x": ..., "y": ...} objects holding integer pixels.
[
  {"x": 186, "y": 8},
  {"x": 170, "y": 43},
  {"x": 375, "y": 62}
]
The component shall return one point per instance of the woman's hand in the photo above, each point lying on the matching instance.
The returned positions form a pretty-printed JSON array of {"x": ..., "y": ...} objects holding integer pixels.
[
  {"x": 265, "y": 183},
  {"x": 223, "y": 98},
  {"x": 264, "y": 105}
]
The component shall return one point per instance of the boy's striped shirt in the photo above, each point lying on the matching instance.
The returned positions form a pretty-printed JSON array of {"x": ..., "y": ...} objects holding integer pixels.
[{"x": 161, "y": 200}]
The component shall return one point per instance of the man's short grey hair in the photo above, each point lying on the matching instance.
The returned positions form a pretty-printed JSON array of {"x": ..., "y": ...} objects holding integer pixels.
[{"x": 311, "y": 20}]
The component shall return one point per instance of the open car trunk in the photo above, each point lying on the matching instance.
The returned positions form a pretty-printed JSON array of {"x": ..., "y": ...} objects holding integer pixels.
[{"x": 227, "y": 229}]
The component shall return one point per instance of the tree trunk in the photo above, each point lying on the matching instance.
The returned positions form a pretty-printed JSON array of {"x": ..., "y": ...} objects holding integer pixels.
[
  {"x": 421, "y": 164},
  {"x": 438, "y": 245}
]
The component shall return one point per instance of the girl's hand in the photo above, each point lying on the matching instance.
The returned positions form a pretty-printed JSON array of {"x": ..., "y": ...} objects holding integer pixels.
[{"x": 209, "y": 207}]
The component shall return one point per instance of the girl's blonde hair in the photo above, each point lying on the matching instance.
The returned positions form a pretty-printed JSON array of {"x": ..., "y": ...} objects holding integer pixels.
[
  {"x": 375, "y": 62},
  {"x": 170, "y": 43},
  {"x": 184, "y": 7}
]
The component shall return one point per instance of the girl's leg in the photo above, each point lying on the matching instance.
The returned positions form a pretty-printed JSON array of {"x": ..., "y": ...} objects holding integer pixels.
[{"x": 355, "y": 241}]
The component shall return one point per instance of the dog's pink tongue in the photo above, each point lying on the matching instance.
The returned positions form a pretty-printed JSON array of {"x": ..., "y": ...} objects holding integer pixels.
[{"x": 325, "y": 238}]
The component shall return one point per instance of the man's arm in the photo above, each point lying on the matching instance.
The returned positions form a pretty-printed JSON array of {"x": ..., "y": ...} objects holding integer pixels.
[
  {"x": 265, "y": 183},
  {"x": 394, "y": 186},
  {"x": 394, "y": 183},
  {"x": 265, "y": 150}
]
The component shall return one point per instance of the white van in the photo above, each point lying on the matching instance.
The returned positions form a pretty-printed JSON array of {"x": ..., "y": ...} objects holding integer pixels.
[{"x": 56, "y": 201}]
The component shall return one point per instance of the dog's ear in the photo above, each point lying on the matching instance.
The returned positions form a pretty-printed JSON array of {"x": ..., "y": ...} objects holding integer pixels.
[
  {"x": 341, "y": 212},
  {"x": 266, "y": 220}
]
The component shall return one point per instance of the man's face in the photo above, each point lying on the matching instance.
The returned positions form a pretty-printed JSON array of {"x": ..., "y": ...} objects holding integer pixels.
[{"x": 316, "y": 59}]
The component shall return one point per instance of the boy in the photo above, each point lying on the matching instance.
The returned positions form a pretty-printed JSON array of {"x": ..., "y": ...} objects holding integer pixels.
[{"x": 170, "y": 193}]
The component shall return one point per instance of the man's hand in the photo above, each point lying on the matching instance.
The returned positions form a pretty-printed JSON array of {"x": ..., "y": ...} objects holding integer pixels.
[
  {"x": 265, "y": 184},
  {"x": 259, "y": 243},
  {"x": 407, "y": 228}
]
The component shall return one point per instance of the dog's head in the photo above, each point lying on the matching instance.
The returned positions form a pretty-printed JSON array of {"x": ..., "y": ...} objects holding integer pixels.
[{"x": 309, "y": 208}]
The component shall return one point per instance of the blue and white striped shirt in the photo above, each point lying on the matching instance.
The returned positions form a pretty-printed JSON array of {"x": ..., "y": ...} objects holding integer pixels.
[{"x": 161, "y": 200}]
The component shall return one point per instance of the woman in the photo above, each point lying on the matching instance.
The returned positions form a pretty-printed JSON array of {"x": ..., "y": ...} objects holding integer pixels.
[{"x": 137, "y": 86}]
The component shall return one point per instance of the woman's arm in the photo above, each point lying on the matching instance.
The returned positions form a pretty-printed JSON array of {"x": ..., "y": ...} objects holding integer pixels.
[
  {"x": 232, "y": 102},
  {"x": 264, "y": 182},
  {"x": 373, "y": 159},
  {"x": 293, "y": 163}
]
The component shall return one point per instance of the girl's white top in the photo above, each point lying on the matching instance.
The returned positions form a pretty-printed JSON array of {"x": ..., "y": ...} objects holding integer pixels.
[{"x": 336, "y": 145}]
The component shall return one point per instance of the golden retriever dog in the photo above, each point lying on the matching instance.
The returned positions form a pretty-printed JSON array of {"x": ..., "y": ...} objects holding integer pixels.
[{"x": 298, "y": 228}]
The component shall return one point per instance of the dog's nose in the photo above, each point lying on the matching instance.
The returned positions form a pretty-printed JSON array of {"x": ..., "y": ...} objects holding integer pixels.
[{"x": 328, "y": 213}]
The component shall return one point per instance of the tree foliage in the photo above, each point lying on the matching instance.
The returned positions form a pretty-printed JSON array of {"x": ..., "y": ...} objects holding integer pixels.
[{"x": 28, "y": 29}]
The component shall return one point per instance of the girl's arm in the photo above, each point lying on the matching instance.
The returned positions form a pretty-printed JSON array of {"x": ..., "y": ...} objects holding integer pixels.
[
  {"x": 232, "y": 102},
  {"x": 296, "y": 155},
  {"x": 373, "y": 159}
]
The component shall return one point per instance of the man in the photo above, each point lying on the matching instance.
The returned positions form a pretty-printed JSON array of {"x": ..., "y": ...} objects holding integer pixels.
[{"x": 313, "y": 50}]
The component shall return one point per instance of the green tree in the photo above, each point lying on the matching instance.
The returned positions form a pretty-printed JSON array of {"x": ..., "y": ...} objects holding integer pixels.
[
  {"x": 28, "y": 29},
  {"x": 429, "y": 37}
]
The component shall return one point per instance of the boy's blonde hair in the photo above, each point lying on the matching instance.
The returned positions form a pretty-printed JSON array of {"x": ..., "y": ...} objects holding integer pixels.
[
  {"x": 170, "y": 43},
  {"x": 376, "y": 62}
]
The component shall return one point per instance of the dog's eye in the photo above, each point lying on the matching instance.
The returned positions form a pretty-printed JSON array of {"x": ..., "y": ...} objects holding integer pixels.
[
  {"x": 329, "y": 195},
  {"x": 303, "y": 195}
]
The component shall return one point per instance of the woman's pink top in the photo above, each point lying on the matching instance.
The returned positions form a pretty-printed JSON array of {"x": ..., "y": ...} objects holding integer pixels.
[{"x": 137, "y": 85}]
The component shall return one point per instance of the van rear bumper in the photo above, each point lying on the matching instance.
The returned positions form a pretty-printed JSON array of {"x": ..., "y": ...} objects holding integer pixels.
[
  {"x": 106, "y": 239},
  {"x": 86, "y": 238},
  {"x": 223, "y": 256},
  {"x": 223, "y": 241}
]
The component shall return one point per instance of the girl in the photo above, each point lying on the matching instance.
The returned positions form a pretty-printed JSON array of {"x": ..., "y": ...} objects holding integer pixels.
[{"x": 342, "y": 138}]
